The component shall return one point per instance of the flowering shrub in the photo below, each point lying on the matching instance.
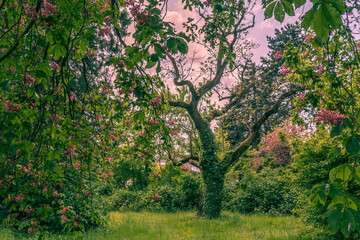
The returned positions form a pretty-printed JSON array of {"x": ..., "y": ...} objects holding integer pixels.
[
  {"x": 328, "y": 116},
  {"x": 276, "y": 147}
]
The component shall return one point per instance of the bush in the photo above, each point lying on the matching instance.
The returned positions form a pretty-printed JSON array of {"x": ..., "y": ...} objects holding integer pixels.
[
  {"x": 179, "y": 195},
  {"x": 259, "y": 193}
]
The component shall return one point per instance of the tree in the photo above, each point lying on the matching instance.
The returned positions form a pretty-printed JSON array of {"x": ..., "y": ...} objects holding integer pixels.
[
  {"x": 225, "y": 25},
  {"x": 259, "y": 83}
]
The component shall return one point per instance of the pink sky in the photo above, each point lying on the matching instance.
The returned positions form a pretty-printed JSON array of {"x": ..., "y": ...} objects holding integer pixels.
[{"x": 257, "y": 34}]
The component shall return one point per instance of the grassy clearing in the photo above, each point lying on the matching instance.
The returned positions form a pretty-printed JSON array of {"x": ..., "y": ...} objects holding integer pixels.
[{"x": 176, "y": 226}]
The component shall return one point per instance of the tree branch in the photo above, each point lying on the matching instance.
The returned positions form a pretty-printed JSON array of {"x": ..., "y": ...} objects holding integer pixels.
[
  {"x": 233, "y": 157},
  {"x": 16, "y": 44}
]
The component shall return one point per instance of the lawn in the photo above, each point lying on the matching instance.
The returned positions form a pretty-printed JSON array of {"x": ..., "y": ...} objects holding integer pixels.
[{"x": 147, "y": 225}]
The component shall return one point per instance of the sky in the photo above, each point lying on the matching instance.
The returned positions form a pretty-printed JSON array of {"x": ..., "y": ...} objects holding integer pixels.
[{"x": 257, "y": 34}]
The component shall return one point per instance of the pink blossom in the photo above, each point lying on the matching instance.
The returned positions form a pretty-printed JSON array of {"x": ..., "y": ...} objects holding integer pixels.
[
  {"x": 309, "y": 38},
  {"x": 76, "y": 224},
  {"x": 11, "y": 107},
  {"x": 56, "y": 194},
  {"x": 113, "y": 137},
  {"x": 278, "y": 55},
  {"x": 127, "y": 122},
  {"x": 156, "y": 101},
  {"x": 320, "y": 71},
  {"x": 156, "y": 197},
  {"x": 48, "y": 10},
  {"x": 63, "y": 218},
  {"x": 45, "y": 189},
  {"x": 31, "y": 231},
  {"x": 54, "y": 66},
  {"x": 111, "y": 174},
  {"x": 28, "y": 210},
  {"x": 110, "y": 159},
  {"x": 33, "y": 223},
  {"x": 63, "y": 211},
  {"x": 77, "y": 165},
  {"x": 107, "y": 19},
  {"x": 153, "y": 122},
  {"x": 285, "y": 70},
  {"x": 32, "y": 184},
  {"x": 105, "y": 31},
  {"x": 328, "y": 116},
  {"x": 104, "y": 176},
  {"x": 174, "y": 132},
  {"x": 78, "y": 216},
  {"x": 171, "y": 123},
  {"x": 92, "y": 55}
]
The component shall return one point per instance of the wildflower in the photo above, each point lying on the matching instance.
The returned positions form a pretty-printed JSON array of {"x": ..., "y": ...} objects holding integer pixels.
[
  {"x": 63, "y": 218},
  {"x": 156, "y": 197},
  {"x": 76, "y": 224}
]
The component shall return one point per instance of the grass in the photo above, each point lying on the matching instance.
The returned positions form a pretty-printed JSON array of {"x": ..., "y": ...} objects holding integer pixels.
[{"x": 177, "y": 226}]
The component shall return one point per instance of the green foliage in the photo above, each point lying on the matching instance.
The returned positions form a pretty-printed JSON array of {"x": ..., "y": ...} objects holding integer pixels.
[{"x": 263, "y": 192}]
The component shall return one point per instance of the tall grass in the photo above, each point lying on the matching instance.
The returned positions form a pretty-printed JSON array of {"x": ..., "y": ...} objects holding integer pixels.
[{"x": 177, "y": 226}]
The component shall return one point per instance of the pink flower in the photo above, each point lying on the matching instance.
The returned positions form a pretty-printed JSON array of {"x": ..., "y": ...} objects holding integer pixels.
[
  {"x": 174, "y": 132},
  {"x": 76, "y": 224},
  {"x": 105, "y": 31},
  {"x": 56, "y": 194},
  {"x": 112, "y": 136},
  {"x": 156, "y": 101},
  {"x": 328, "y": 116},
  {"x": 110, "y": 159},
  {"x": 48, "y": 10},
  {"x": 320, "y": 71},
  {"x": 186, "y": 168},
  {"x": 45, "y": 189},
  {"x": 278, "y": 55},
  {"x": 9, "y": 107},
  {"x": 54, "y": 66},
  {"x": 171, "y": 123},
  {"x": 92, "y": 55},
  {"x": 309, "y": 38},
  {"x": 31, "y": 231},
  {"x": 78, "y": 217},
  {"x": 28, "y": 210},
  {"x": 77, "y": 165},
  {"x": 111, "y": 174},
  {"x": 285, "y": 70},
  {"x": 29, "y": 80},
  {"x": 127, "y": 122},
  {"x": 63, "y": 218},
  {"x": 104, "y": 176},
  {"x": 107, "y": 19},
  {"x": 33, "y": 223},
  {"x": 156, "y": 197}
]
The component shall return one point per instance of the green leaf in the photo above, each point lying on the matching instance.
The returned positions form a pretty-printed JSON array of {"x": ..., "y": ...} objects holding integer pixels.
[
  {"x": 338, "y": 4},
  {"x": 308, "y": 18},
  {"x": 334, "y": 220},
  {"x": 341, "y": 172},
  {"x": 279, "y": 12},
  {"x": 150, "y": 64},
  {"x": 347, "y": 224},
  {"x": 171, "y": 43},
  {"x": 288, "y": 7},
  {"x": 158, "y": 68},
  {"x": 357, "y": 175},
  {"x": 182, "y": 46},
  {"x": 337, "y": 129},
  {"x": 269, "y": 10},
  {"x": 299, "y": 3},
  {"x": 332, "y": 15},
  {"x": 352, "y": 146},
  {"x": 321, "y": 23}
]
